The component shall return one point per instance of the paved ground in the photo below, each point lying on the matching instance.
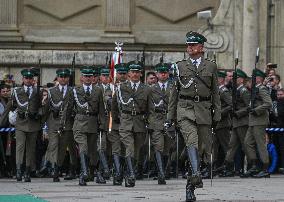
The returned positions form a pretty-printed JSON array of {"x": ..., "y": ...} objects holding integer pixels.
[{"x": 229, "y": 189}]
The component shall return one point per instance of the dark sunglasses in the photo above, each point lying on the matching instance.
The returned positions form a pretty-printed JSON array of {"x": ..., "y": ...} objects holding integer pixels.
[
  {"x": 27, "y": 77},
  {"x": 88, "y": 76}
]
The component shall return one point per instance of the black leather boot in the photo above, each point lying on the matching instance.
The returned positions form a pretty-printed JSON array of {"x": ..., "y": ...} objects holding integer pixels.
[
  {"x": 27, "y": 174},
  {"x": 189, "y": 192},
  {"x": 55, "y": 173},
  {"x": 117, "y": 177},
  {"x": 84, "y": 173},
  {"x": 130, "y": 177},
  {"x": 71, "y": 173},
  {"x": 264, "y": 173},
  {"x": 19, "y": 172},
  {"x": 45, "y": 170},
  {"x": 100, "y": 179},
  {"x": 104, "y": 163},
  {"x": 252, "y": 171},
  {"x": 228, "y": 170},
  {"x": 195, "y": 177},
  {"x": 160, "y": 166}
]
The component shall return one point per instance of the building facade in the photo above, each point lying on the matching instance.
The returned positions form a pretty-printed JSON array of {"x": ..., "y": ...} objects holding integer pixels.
[{"x": 53, "y": 31}]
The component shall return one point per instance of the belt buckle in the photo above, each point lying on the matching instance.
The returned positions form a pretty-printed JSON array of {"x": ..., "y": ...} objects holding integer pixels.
[
  {"x": 196, "y": 98},
  {"x": 133, "y": 113}
]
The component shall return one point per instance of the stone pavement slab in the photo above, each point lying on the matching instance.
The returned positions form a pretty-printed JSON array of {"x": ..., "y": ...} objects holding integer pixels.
[{"x": 223, "y": 189}]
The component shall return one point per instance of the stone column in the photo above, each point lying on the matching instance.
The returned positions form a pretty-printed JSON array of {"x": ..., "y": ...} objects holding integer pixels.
[
  {"x": 117, "y": 16},
  {"x": 250, "y": 34},
  {"x": 9, "y": 21}
]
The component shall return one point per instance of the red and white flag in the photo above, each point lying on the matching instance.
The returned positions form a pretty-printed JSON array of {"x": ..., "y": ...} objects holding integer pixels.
[{"x": 116, "y": 59}]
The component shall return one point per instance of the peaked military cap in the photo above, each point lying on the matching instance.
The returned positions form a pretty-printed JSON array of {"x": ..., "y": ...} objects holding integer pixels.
[
  {"x": 96, "y": 71},
  {"x": 28, "y": 73},
  {"x": 36, "y": 71},
  {"x": 260, "y": 73},
  {"x": 194, "y": 38},
  {"x": 241, "y": 73},
  {"x": 121, "y": 68},
  {"x": 104, "y": 71},
  {"x": 163, "y": 67},
  {"x": 87, "y": 71},
  {"x": 134, "y": 66},
  {"x": 63, "y": 72},
  {"x": 222, "y": 74}
]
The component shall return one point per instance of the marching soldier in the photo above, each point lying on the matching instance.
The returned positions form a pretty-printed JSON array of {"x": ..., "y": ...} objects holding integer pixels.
[
  {"x": 131, "y": 101},
  {"x": 114, "y": 138},
  {"x": 60, "y": 120},
  {"x": 223, "y": 127},
  {"x": 191, "y": 104},
  {"x": 158, "y": 114},
  {"x": 89, "y": 117},
  {"x": 27, "y": 101},
  {"x": 240, "y": 124},
  {"x": 102, "y": 140},
  {"x": 258, "y": 121}
]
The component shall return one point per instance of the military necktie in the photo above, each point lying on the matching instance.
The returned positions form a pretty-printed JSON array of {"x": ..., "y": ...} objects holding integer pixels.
[
  {"x": 62, "y": 91},
  {"x": 134, "y": 87},
  {"x": 88, "y": 93},
  {"x": 28, "y": 91},
  {"x": 163, "y": 88},
  {"x": 195, "y": 63}
]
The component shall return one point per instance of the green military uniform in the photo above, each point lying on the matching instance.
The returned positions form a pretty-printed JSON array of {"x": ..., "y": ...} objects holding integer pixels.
[
  {"x": 131, "y": 101},
  {"x": 191, "y": 103},
  {"x": 102, "y": 140},
  {"x": 27, "y": 100},
  {"x": 160, "y": 140},
  {"x": 240, "y": 124},
  {"x": 60, "y": 121},
  {"x": 258, "y": 121},
  {"x": 114, "y": 136},
  {"x": 224, "y": 125},
  {"x": 89, "y": 117}
]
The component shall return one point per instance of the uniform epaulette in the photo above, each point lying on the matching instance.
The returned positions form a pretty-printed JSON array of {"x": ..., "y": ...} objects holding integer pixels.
[
  {"x": 224, "y": 89},
  {"x": 180, "y": 61},
  {"x": 210, "y": 60},
  {"x": 243, "y": 89}
]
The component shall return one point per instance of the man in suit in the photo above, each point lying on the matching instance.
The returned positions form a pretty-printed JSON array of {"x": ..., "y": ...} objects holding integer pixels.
[
  {"x": 59, "y": 108},
  {"x": 88, "y": 121},
  {"x": 240, "y": 123},
  {"x": 258, "y": 121},
  {"x": 160, "y": 140},
  {"x": 102, "y": 141},
  {"x": 195, "y": 106},
  {"x": 114, "y": 137},
  {"x": 131, "y": 101},
  {"x": 224, "y": 125},
  {"x": 27, "y": 100}
]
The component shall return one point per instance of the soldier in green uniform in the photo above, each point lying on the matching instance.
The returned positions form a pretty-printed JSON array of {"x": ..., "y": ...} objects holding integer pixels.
[
  {"x": 131, "y": 101},
  {"x": 88, "y": 121},
  {"x": 258, "y": 121},
  {"x": 59, "y": 108},
  {"x": 114, "y": 137},
  {"x": 160, "y": 140},
  {"x": 105, "y": 87},
  {"x": 27, "y": 100},
  {"x": 240, "y": 124},
  {"x": 223, "y": 127},
  {"x": 191, "y": 104}
]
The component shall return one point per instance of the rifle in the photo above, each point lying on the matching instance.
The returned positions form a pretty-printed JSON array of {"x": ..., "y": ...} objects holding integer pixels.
[
  {"x": 253, "y": 82},
  {"x": 234, "y": 90},
  {"x": 72, "y": 79},
  {"x": 162, "y": 58}
]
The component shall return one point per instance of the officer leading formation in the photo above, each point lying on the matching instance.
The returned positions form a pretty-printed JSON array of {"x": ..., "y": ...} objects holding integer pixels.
[{"x": 116, "y": 127}]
